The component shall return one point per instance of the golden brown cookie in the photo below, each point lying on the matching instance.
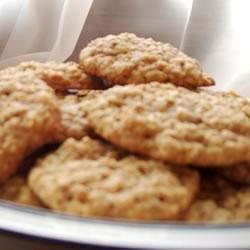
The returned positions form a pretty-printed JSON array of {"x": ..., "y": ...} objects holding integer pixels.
[
  {"x": 170, "y": 123},
  {"x": 220, "y": 202},
  {"x": 91, "y": 178},
  {"x": 239, "y": 173},
  {"x": 17, "y": 190},
  {"x": 86, "y": 147},
  {"x": 128, "y": 59},
  {"x": 29, "y": 115},
  {"x": 73, "y": 109},
  {"x": 60, "y": 76}
]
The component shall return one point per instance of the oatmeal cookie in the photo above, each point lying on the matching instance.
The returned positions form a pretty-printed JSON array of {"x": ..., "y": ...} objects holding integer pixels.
[
  {"x": 128, "y": 59},
  {"x": 60, "y": 76},
  {"x": 29, "y": 115},
  {"x": 73, "y": 109},
  {"x": 90, "y": 178},
  {"x": 17, "y": 190},
  {"x": 86, "y": 147},
  {"x": 220, "y": 202},
  {"x": 239, "y": 173},
  {"x": 175, "y": 124}
]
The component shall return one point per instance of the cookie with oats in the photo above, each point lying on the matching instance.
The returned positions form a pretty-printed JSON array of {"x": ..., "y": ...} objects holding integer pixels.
[
  {"x": 29, "y": 115},
  {"x": 128, "y": 59},
  {"x": 174, "y": 124},
  {"x": 17, "y": 190},
  {"x": 73, "y": 109},
  {"x": 239, "y": 173},
  {"x": 60, "y": 76},
  {"x": 91, "y": 178},
  {"x": 220, "y": 202},
  {"x": 86, "y": 147}
]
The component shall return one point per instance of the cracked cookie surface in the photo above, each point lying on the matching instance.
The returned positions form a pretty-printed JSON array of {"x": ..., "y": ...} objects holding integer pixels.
[
  {"x": 60, "y": 76},
  {"x": 17, "y": 190},
  {"x": 220, "y": 201},
  {"x": 174, "y": 124},
  {"x": 90, "y": 178},
  {"x": 29, "y": 115},
  {"x": 73, "y": 109},
  {"x": 128, "y": 59}
]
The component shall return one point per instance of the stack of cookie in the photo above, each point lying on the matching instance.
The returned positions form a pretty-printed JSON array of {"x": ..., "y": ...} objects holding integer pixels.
[{"x": 137, "y": 134}]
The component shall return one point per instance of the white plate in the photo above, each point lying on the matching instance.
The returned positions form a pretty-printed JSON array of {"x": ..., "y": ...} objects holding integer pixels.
[{"x": 56, "y": 227}]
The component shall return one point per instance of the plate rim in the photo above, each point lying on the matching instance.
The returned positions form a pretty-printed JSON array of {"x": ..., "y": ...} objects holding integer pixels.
[{"x": 47, "y": 225}]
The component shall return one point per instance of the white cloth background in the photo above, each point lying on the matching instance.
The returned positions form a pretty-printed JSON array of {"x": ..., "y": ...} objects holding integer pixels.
[
  {"x": 217, "y": 34},
  {"x": 40, "y": 29},
  {"x": 214, "y": 31}
]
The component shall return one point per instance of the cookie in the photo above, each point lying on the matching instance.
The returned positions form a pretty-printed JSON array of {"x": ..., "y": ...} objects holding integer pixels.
[
  {"x": 86, "y": 147},
  {"x": 239, "y": 173},
  {"x": 91, "y": 178},
  {"x": 73, "y": 109},
  {"x": 128, "y": 59},
  {"x": 29, "y": 115},
  {"x": 220, "y": 202},
  {"x": 174, "y": 124},
  {"x": 60, "y": 76},
  {"x": 17, "y": 190}
]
